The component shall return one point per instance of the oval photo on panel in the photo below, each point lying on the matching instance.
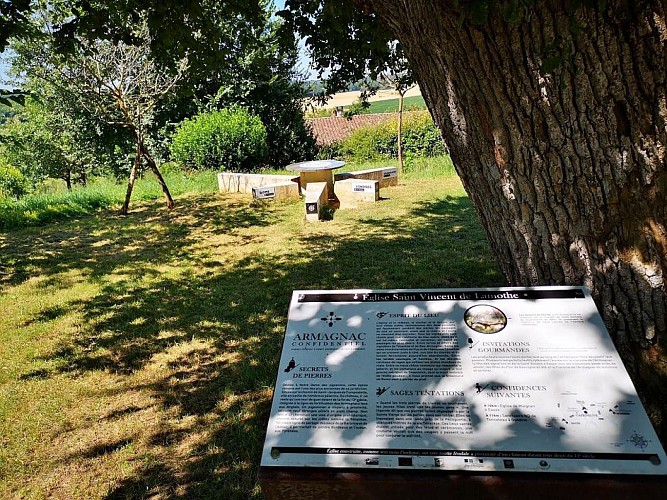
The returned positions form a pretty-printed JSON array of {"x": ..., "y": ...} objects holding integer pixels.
[{"x": 485, "y": 319}]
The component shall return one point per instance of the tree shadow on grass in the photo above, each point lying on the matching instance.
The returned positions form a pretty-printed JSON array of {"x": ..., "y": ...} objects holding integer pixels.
[
  {"x": 96, "y": 245},
  {"x": 237, "y": 313}
]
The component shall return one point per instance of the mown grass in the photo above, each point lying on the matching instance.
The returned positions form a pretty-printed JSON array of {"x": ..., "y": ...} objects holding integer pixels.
[
  {"x": 138, "y": 354},
  {"x": 59, "y": 204}
]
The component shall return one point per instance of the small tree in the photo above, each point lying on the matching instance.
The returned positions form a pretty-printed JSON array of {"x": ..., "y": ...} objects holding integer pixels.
[
  {"x": 122, "y": 85},
  {"x": 399, "y": 77},
  {"x": 44, "y": 140},
  {"x": 119, "y": 84}
]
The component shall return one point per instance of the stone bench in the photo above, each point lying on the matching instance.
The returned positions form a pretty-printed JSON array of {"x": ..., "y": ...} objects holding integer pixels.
[
  {"x": 352, "y": 192},
  {"x": 278, "y": 191},
  {"x": 317, "y": 195},
  {"x": 386, "y": 176},
  {"x": 229, "y": 182}
]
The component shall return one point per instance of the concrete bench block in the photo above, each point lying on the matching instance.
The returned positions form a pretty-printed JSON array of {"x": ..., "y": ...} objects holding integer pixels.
[
  {"x": 352, "y": 192},
  {"x": 317, "y": 195},
  {"x": 229, "y": 182},
  {"x": 278, "y": 191},
  {"x": 386, "y": 176}
]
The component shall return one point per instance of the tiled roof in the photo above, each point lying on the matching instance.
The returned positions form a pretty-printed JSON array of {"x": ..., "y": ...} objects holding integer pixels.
[{"x": 336, "y": 128}]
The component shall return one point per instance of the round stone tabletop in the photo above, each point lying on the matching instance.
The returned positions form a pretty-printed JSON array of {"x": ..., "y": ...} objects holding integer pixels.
[{"x": 315, "y": 165}]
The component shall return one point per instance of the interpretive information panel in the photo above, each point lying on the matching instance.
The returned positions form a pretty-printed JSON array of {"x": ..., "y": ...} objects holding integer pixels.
[{"x": 510, "y": 379}]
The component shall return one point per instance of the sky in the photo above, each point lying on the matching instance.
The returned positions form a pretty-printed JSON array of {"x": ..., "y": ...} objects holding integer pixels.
[
  {"x": 4, "y": 67},
  {"x": 280, "y": 4}
]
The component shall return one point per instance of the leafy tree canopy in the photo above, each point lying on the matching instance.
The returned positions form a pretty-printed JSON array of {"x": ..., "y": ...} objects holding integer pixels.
[
  {"x": 236, "y": 56},
  {"x": 346, "y": 44},
  {"x": 180, "y": 27}
]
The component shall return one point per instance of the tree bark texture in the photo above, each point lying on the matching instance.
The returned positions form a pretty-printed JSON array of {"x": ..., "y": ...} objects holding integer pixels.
[
  {"x": 566, "y": 168},
  {"x": 67, "y": 177},
  {"x": 158, "y": 175},
  {"x": 130, "y": 183}
]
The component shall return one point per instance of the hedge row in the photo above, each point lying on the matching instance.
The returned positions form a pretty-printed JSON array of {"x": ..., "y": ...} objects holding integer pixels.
[{"x": 421, "y": 138}]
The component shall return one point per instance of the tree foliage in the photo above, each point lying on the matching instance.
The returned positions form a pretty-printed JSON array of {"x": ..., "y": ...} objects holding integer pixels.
[
  {"x": 116, "y": 84},
  {"x": 346, "y": 44},
  {"x": 237, "y": 56},
  {"x": 48, "y": 138},
  {"x": 260, "y": 76},
  {"x": 12, "y": 182},
  {"x": 180, "y": 28}
]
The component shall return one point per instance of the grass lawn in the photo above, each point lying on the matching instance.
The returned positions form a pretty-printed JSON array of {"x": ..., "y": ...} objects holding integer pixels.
[{"x": 138, "y": 354}]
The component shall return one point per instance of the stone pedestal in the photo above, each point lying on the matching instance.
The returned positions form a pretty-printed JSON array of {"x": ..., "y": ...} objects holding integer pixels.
[
  {"x": 316, "y": 198},
  {"x": 352, "y": 192}
]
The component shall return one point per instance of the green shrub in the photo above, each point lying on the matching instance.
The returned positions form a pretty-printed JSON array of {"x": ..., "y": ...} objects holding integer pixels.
[
  {"x": 12, "y": 182},
  {"x": 331, "y": 151},
  {"x": 370, "y": 143},
  {"x": 228, "y": 139},
  {"x": 421, "y": 138}
]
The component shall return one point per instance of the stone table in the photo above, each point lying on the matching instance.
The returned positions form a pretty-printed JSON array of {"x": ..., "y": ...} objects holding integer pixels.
[{"x": 316, "y": 171}]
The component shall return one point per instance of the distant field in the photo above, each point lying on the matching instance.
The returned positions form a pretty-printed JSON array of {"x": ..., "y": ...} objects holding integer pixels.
[
  {"x": 391, "y": 105},
  {"x": 348, "y": 98}
]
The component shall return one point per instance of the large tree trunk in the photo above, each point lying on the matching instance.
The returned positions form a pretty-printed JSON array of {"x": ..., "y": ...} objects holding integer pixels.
[{"x": 567, "y": 169}]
